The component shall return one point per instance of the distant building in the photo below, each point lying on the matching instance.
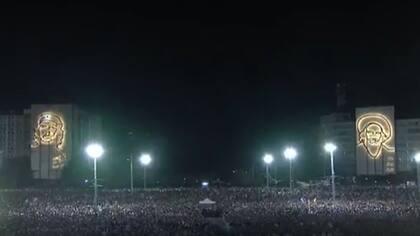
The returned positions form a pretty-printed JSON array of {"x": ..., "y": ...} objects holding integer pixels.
[
  {"x": 12, "y": 137},
  {"x": 48, "y": 135},
  {"x": 372, "y": 143},
  {"x": 407, "y": 143},
  {"x": 339, "y": 128}
]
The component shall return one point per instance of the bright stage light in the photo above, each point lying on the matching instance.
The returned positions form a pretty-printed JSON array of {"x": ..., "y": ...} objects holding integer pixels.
[
  {"x": 268, "y": 158},
  {"x": 290, "y": 153},
  {"x": 417, "y": 157},
  {"x": 94, "y": 150},
  {"x": 330, "y": 147},
  {"x": 205, "y": 184},
  {"x": 145, "y": 159}
]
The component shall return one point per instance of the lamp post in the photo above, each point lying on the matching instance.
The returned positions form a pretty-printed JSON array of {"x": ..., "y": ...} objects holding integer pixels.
[
  {"x": 145, "y": 160},
  {"x": 417, "y": 159},
  {"x": 95, "y": 151},
  {"x": 131, "y": 174},
  {"x": 130, "y": 138},
  {"x": 290, "y": 154},
  {"x": 268, "y": 159},
  {"x": 330, "y": 147}
]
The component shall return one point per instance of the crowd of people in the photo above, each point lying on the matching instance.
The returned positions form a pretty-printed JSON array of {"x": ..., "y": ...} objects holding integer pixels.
[{"x": 244, "y": 211}]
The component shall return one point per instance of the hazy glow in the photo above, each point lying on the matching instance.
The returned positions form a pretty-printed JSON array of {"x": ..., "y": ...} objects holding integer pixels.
[
  {"x": 290, "y": 153},
  {"x": 375, "y": 133},
  {"x": 94, "y": 150},
  {"x": 417, "y": 157},
  {"x": 330, "y": 147},
  {"x": 145, "y": 159},
  {"x": 205, "y": 184},
  {"x": 268, "y": 158}
]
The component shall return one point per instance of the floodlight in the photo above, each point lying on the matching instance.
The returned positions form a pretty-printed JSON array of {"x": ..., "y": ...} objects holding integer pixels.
[
  {"x": 268, "y": 158},
  {"x": 330, "y": 147},
  {"x": 145, "y": 159},
  {"x": 417, "y": 157},
  {"x": 94, "y": 150},
  {"x": 290, "y": 153}
]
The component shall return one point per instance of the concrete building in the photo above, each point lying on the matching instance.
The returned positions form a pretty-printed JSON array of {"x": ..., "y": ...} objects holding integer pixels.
[
  {"x": 341, "y": 129},
  {"x": 12, "y": 137},
  {"x": 48, "y": 136},
  {"x": 407, "y": 143}
]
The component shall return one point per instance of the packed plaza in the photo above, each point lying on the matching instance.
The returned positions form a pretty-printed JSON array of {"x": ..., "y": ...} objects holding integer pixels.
[{"x": 381, "y": 210}]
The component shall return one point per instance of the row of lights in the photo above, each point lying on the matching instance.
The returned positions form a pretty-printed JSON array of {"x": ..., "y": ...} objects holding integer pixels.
[
  {"x": 290, "y": 153},
  {"x": 96, "y": 151}
]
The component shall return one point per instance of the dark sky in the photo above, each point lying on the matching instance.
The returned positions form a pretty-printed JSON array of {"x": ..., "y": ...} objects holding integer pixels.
[{"x": 210, "y": 87}]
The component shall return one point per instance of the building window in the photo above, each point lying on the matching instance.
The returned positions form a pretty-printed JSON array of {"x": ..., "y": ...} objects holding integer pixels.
[{"x": 413, "y": 131}]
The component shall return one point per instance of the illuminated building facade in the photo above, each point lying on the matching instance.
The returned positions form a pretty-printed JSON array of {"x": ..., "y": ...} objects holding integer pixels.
[
  {"x": 51, "y": 139},
  {"x": 48, "y": 136},
  {"x": 375, "y": 141},
  {"x": 58, "y": 133},
  {"x": 378, "y": 145}
]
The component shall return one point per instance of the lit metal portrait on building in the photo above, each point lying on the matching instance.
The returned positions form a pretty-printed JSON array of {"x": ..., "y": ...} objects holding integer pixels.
[
  {"x": 375, "y": 134},
  {"x": 50, "y": 130}
]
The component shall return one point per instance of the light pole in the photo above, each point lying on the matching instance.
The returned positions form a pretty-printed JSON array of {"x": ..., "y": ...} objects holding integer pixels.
[
  {"x": 130, "y": 138},
  {"x": 290, "y": 154},
  {"x": 145, "y": 160},
  {"x": 330, "y": 147},
  {"x": 95, "y": 151},
  {"x": 131, "y": 174},
  {"x": 268, "y": 159},
  {"x": 417, "y": 159}
]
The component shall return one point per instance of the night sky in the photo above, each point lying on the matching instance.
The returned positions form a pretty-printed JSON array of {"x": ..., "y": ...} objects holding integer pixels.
[{"x": 204, "y": 87}]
